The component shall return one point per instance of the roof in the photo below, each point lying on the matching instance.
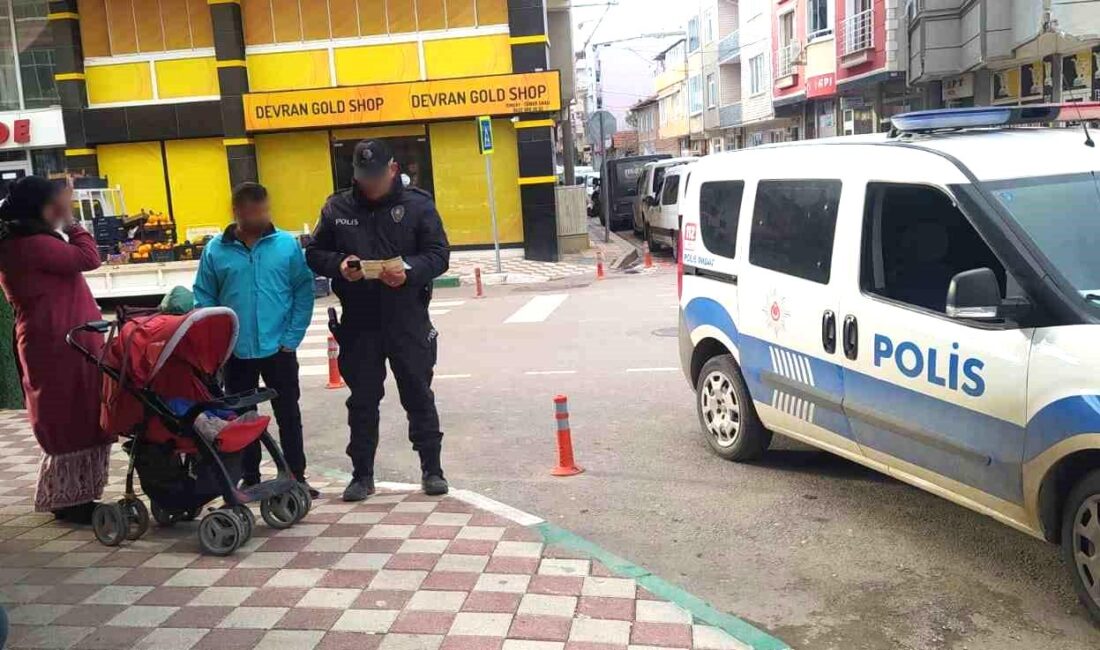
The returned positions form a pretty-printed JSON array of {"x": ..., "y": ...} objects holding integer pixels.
[{"x": 661, "y": 55}]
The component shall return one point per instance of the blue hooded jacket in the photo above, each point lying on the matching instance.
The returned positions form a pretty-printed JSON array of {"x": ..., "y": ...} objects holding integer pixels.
[{"x": 269, "y": 287}]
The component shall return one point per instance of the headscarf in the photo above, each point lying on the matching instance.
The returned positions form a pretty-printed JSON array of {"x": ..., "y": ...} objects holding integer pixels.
[{"x": 21, "y": 212}]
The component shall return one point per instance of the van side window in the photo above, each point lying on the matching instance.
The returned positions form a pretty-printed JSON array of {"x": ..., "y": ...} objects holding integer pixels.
[
  {"x": 719, "y": 211},
  {"x": 793, "y": 227},
  {"x": 671, "y": 190},
  {"x": 914, "y": 241}
]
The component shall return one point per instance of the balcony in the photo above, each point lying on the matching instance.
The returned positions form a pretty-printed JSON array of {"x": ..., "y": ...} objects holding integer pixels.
[
  {"x": 786, "y": 60},
  {"x": 858, "y": 33},
  {"x": 729, "y": 116},
  {"x": 729, "y": 49}
]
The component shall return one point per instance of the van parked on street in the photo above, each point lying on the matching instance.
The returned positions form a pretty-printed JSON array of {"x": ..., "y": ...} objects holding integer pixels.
[
  {"x": 925, "y": 303},
  {"x": 649, "y": 189},
  {"x": 662, "y": 218},
  {"x": 619, "y": 188}
]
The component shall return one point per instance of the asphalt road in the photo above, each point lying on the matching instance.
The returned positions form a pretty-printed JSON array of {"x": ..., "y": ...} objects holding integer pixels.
[{"x": 817, "y": 550}]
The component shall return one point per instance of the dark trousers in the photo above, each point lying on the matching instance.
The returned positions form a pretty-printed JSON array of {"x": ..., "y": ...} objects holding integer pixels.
[
  {"x": 280, "y": 373},
  {"x": 363, "y": 356}
]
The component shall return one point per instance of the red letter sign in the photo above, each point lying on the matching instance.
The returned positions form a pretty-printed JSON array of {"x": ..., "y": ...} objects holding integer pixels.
[
  {"x": 22, "y": 131},
  {"x": 4, "y": 133}
]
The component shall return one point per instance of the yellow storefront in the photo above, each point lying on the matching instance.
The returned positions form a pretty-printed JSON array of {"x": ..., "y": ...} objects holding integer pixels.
[{"x": 149, "y": 54}]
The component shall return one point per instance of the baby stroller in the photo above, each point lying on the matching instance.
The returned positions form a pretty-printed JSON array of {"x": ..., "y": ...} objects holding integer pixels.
[{"x": 161, "y": 380}]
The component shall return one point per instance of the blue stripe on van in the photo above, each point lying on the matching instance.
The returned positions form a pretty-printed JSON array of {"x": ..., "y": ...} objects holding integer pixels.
[{"x": 988, "y": 451}]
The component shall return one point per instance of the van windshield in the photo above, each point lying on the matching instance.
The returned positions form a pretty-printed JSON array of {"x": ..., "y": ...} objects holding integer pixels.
[{"x": 1061, "y": 214}]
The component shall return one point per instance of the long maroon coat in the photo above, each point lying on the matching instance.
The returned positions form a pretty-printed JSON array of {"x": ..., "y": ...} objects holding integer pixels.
[{"x": 41, "y": 276}]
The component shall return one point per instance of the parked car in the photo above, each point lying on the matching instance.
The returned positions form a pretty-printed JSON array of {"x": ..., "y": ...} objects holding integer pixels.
[
  {"x": 663, "y": 213},
  {"x": 649, "y": 188},
  {"x": 926, "y": 304},
  {"x": 619, "y": 189}
]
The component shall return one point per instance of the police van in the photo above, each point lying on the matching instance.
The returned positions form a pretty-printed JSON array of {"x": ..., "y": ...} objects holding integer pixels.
[{"x": 924, "y": 302}]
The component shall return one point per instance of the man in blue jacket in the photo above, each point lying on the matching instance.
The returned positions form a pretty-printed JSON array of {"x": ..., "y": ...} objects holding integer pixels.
[{"x": 260, "y": 273}]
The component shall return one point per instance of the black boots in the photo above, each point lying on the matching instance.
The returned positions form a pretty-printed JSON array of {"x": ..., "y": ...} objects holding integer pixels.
[
  {"x": 434, "y": 484},
  {"x": 359, "y": 489}
]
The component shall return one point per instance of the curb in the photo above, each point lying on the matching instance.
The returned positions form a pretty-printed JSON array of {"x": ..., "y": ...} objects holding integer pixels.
[{"x": 552, "y": 535}]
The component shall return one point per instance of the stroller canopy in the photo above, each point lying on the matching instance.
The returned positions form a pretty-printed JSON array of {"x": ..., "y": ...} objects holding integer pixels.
[{"x": 202, "y": 339}]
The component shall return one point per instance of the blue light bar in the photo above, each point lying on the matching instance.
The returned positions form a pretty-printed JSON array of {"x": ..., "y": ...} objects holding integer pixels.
[{"x": 993, "y": 116}]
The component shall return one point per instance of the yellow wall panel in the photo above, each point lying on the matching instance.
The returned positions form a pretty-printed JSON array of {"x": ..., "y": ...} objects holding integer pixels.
[
  {"x": 402, "y": 15},
  {"x": 372, "y": 17},
  {"x": 377, "y": 64},
  {"x": 492, "y": 12},
  {"x": 395, "y": 131},
  {"x": 460, "y": 186},
  {"x": 296, "y": 168},
  {"x": 199, "y": 177},
  {"x": 460, "y": 13},
  {"x": 139, "y": 169},
  {"x": 202, "y": 25},
  {"x": 288, "y": 70},
  {"x": 120, "y": 18},
  {"x": 126, "y": 82},
  {"x": 465, "y": 57},
  {"x": 93, "y": 28},
  {"x": 256, "y": 15},
  {"x": 431, "y": 14},
  {"x": 342, "y": 15},
  {"x": 187, "y": 78},
  {"x": 315, "y": 25},
  {"x": 177, "y": 24},
  {"x": 147, "y": 21},
  {"x": 288, "y": 23}
]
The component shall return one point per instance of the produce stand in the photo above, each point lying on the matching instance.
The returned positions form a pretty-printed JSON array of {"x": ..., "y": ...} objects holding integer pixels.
[{"x": 145, "y": 279}]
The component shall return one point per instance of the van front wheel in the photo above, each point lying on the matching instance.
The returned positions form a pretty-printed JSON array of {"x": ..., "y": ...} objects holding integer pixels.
[
  {"x": 1081, "y": 541},
  {"x": 726, "y": 412}
]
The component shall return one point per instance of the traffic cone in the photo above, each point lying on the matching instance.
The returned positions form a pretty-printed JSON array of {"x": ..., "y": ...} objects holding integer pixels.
[
  {"x": 647, "y": 255},
  {"x": 566, "y": 465},
  {"x": 334, "y": 378},
  {"x": 599, "y": 265},
  {"x": 479, "y": 290}
]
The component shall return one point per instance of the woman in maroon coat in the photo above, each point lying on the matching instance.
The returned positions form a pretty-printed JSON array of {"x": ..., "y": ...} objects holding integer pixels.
[{"x": 40, "y": 271}]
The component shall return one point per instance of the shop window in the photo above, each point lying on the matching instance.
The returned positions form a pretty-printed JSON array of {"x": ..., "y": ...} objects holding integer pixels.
[
  {"x": 402, "y": 16},
  {"x": 372, "y": 17},
  {"x": 719, "y": 213},
  {"x": 287, "y": 19},
  {"x": 28, "y": 58},
  {"x": 115, "y": 27},
  {"x": 431, "y": 14},
  {"x": 343, "y": 17},
  {"x": 793, "y": 227},
  {"x": 461, "y": 13},
  {"x": 258, "y": 26},
  {"x": 492, "y": 12}
]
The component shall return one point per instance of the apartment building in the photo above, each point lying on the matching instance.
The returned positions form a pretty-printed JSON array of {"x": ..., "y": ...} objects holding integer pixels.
[
  {"x": 759, "y": 122},
  {"x": 176, "y": 101},
  {"x": 646, "y": 118},
  {"x": 671, "y": 88},
  {"x": 728, "y": 136},
  {"x": 983, "y": 52}
]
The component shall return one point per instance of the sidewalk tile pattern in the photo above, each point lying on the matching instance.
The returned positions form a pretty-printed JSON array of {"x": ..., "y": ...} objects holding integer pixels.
[{"x": 401, "y": 571}]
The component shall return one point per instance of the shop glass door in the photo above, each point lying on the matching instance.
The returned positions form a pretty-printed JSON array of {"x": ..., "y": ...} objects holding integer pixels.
[{"x": 413, "y": 156}]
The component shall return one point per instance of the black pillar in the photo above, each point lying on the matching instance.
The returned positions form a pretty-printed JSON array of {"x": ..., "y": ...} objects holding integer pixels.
[
  {"x": 233, "y": 83},
  {"x": 80, "y": 158}
]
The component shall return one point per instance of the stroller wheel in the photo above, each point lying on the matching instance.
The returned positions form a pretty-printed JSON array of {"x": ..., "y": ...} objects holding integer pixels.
[
  {"x": 110, "y": 524},
  {"x": 282, "y": 510},
  {"x": 221, "y": 533},
  {"x": 303, "y": 497},
  {"x": 137, "y": 516},
  {"x": 248, "y": 520}
]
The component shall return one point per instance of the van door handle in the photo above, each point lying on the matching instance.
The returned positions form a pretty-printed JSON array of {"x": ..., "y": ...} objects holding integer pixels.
[
  {"x": 851, "y": 337},
  {"x": 828, "y": 331}
]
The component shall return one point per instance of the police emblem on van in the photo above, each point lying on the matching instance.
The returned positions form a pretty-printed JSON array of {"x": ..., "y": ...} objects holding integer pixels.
[
  {"x": 398, "y": 213},
  {"x": 776, "y": 312}
]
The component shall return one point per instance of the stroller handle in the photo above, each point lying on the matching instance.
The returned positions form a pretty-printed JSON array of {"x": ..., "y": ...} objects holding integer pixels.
[
  {"x": 238, "y": 403},
  {"x": 100, "y": 326}
]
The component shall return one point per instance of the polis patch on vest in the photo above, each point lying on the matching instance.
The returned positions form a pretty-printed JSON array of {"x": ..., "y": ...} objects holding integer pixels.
[{"x": 398, "y": 213}]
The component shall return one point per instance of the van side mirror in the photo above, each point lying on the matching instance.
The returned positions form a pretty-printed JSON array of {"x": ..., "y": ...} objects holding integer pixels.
[{"x": 974, "y": 295}]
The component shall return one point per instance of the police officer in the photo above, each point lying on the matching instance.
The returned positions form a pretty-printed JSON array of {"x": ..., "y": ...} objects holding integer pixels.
[{"x": 379, "y": 218}]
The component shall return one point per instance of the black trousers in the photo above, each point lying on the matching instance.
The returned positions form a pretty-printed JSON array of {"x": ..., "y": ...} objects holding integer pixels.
[
  {"x": 280, "y": 373},
  {"x": 363, "y": 356}
]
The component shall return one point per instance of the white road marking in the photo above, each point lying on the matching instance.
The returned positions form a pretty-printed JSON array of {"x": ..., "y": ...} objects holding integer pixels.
[
  {"x": 438, "y": 312},
  {"x": 315, "y": 339},
  {"x": 459, "y": 376},
  {"x": 652, "y": 369},
  {"x": 313, "y": 371},
  {"x": 537, "y": 309},
  {"x": 313, "y": 353},
  {"x": 448, "y": 303},
  {"x": 550, "y": 372}
]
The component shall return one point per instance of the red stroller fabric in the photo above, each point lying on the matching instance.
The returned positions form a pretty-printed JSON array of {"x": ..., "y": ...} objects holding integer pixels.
[{"x": 171, "y": 355}]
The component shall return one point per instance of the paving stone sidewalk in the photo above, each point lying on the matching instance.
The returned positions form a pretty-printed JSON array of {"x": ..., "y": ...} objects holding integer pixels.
[{"x": 401, "y": 571}]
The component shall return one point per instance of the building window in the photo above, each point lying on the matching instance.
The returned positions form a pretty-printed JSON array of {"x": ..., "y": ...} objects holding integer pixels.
[
  {"x": 758, "y": 75},
  {"x": 712, "y": 91},
  {"x": 708, "y": 27},
  {"x": 719, "y": 212},
  {"x": 793, "y": 227},
  {"x": 28, "y": 60},
  {"x": 695, "y": 91},
  {"x": 819, "y": 20},
  {"x": 693, "y": 34}
]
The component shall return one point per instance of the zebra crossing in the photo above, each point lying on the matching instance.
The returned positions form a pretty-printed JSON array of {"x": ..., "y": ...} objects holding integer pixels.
[{"x": 313, "y": 353}]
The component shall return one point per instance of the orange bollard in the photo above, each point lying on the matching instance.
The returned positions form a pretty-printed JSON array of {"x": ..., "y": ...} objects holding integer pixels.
[
  {"x": 647, "y": 255},
  {"x": 479, "y": 290},
  {"x": 334, "y": 378},
  {"x": 567, "y": 466},
  {"x": 599, "y": 265}
]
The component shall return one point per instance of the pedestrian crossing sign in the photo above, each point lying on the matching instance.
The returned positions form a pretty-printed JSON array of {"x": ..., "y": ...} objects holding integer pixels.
[{"x": 485, "y": 134}]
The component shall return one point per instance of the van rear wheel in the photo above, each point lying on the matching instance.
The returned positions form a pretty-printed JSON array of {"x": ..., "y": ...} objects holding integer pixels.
[
  {"x": 726, "y": 413},
  {"x": 1081, "y": 541}
]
